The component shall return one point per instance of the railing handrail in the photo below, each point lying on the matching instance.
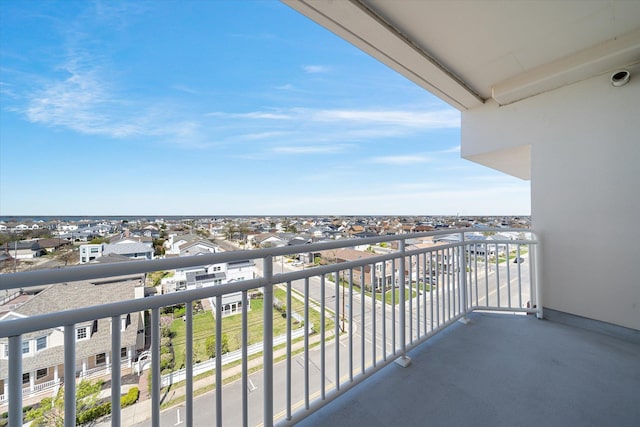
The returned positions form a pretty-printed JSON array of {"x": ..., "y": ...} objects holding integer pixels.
[
  {"x": 99, "y": 271},
  {"x": 15, "y": 327}
]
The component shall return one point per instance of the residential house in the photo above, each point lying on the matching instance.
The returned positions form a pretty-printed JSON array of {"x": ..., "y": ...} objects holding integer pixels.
[
  {"x": 43, "y": 351},
  {"x": 210, "y": 275},
  {"x": 198, "y": 247},
  {"x": 383, "y": 273},
  {"x": 125, "y": 248},
  {"x": 24, "y": 249}
]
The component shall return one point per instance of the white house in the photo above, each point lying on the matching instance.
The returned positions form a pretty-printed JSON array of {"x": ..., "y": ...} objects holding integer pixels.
[
  {"x": 128, "y": 249},
  {"x": 213, "y": 275}
]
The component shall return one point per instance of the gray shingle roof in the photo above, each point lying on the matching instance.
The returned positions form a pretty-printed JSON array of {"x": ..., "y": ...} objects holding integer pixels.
[
  {"x": 126, "y": 248},
  {"x": 72, "y": 295}
]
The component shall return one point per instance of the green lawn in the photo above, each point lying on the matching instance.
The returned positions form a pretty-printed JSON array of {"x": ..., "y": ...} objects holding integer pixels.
[
  {"x": 389, "y": 295},
  {"x": 512, "y": 255},
  {"x": 204, "y": 326},
  {"x": 298, "y": 306}
]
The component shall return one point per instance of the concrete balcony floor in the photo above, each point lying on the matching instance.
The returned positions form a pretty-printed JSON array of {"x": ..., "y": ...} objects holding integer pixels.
[{"x": 501, "y": 370}]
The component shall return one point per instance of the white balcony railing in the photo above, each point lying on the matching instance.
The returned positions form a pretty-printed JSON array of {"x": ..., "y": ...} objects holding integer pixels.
[{"x": 362, "y": 327}]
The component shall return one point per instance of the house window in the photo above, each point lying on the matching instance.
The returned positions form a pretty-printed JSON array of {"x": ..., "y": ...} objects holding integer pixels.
[
  {"x": 101, "y": 358},
  {"x": 6, "y": 350},
  {"x": 25, "y": 347},
  {"x": 41, "y": 343},
  {"x": 81, "y": 334},
  {"x": 94, "y": 250},
  {"x": 25, "y": 378},
  {"x": 41, "y": 373},
  {"x": 123, "y": 352}
]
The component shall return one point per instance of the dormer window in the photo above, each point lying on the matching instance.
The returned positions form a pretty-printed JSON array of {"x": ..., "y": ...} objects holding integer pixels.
[
  {"x": 82, "y": 333},
  {"x": 41, "y": 343}
]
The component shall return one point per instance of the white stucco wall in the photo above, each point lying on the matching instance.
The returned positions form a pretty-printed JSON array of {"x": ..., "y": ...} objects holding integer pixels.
[{"x": 585, "y": 189}]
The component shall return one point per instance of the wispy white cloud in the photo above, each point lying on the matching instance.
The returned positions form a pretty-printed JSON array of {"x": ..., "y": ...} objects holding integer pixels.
[
  {"x": 310, "y": 149},
  {"x": 184, "y": 88},
  {"x": 418, "y": 119},
  {"x": 455, "y": 149},
  {"x": 316, "y": 69},
  {"x": 253, "y": 115},
  {"x": 410, "y": 119},
  {"x": 408, "y": 159},
  {"x": 288, "y": 87},
  {"x": 86, "y": 102},
  {"x": 262, "y": 135}
]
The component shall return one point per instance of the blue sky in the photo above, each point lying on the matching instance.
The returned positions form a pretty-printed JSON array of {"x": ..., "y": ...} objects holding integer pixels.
[{"x": 219, "y": 108}]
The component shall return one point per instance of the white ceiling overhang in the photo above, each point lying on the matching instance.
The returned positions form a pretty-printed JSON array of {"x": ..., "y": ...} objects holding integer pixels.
[
  {"x": 466, "y": 52},
  {"x": 359, "y": 25}
]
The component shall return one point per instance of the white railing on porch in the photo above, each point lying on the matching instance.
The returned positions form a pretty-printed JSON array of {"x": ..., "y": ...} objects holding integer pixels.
[
  {"x": 433, "y": 287},
  {"x": 99, "y": 371},
  {"x": 43, "y": 386}
]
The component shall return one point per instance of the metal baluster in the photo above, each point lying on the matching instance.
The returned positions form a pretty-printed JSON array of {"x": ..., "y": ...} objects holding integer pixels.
[
  {"x": 351, "y": 324},
  {"x": 15, "y": 378},
  {"x": 497, "y": 275},
  {"x": 395, "y": 283},
  {"x": 362, "y": 324},
  {"x": 268, "y": 341},
  {"x": 116, "y": 339},
  {"x": 403, "y": 360},
  {"x": 155, "y": 367},
  {"x": 336, "y": 327},
  {"x": 475, "y": 270},
  {"x": 384, "y": 311},
  {"x": 410, "y": 299},
  {"x": 306, "y": 343},
  {"x": 189, "y": 362},
  {"x": 288, "y": 368},
  {"x": 486, "y": 275},
  {"x": 219, "y": 357},
  {"x": 322, "y": 338},
  {"x": 519, "y": 277},
  {"x": 373, "y": 313},
  {"x": 440, "y": 283},
  {"x": 245, "y": 364}
]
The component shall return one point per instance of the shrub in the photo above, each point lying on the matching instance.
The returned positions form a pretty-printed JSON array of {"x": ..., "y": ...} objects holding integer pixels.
[
  {"x": 166, "y": 332},
  {"x": 130, "y": 398},
  {"x": 93, "y": 413},
  {"x": 166, "y": 362},
  {"x": 210, "y": 346}
]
